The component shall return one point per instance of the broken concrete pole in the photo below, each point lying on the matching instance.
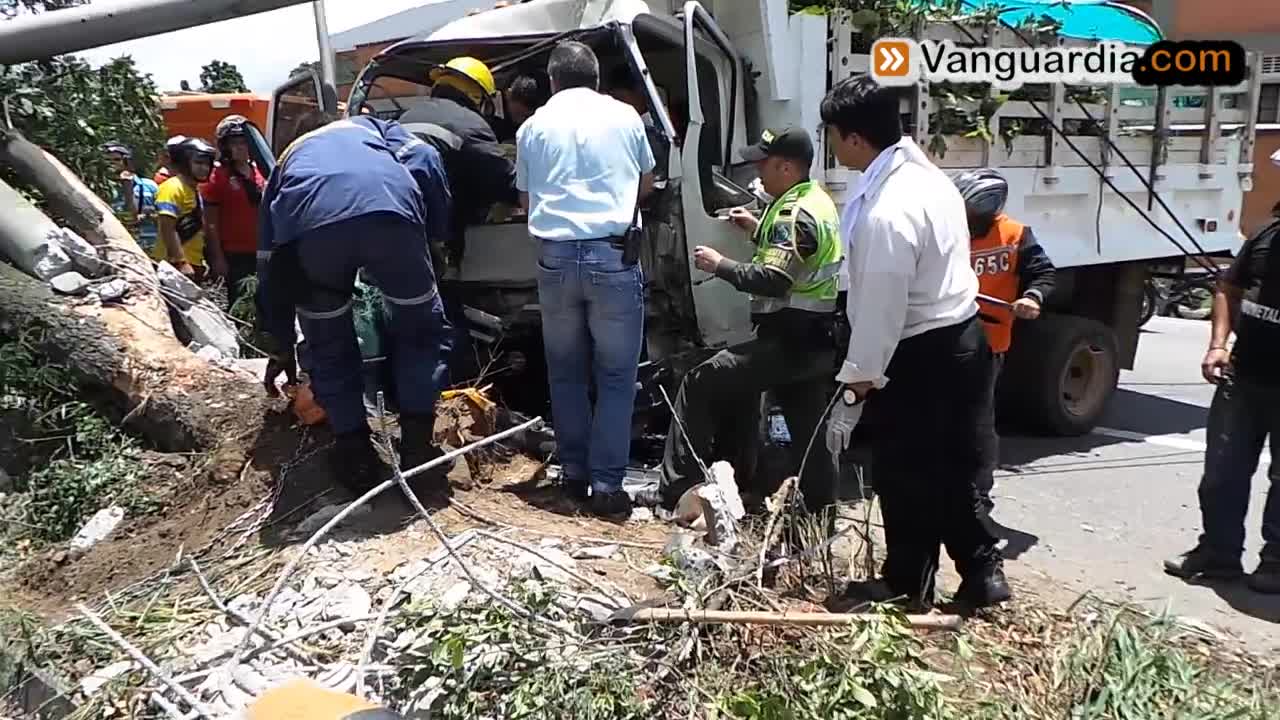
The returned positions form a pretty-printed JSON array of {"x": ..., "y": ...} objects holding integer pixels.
[
  {"x": 210, "y": 328},
  {"x": 70, "y": 283},
  {"x": 99, "y": 527},
  {"x": 178, "y": 288},
  {"x": 83, "y": 254},
  {"x": 24, "y": 234}
]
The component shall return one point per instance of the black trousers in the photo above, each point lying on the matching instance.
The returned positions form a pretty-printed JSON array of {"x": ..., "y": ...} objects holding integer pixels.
[
  {"x": 722, "y": 394},
  {"x": 927, "y": 442},
  {"x": 989, "y": 448}
]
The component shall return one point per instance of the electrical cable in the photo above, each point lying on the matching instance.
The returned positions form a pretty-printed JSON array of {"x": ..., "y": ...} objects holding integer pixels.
[{"x": 1199, "y": 259}]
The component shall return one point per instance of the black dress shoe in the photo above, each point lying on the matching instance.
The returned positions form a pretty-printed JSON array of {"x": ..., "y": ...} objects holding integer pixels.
[
  {"x": 1204, "y": 564},
  {"x": 984, "y": 589}
]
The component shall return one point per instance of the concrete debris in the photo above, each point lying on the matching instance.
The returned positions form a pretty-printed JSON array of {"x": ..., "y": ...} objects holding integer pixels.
[
  {"x": 345, "y": 601},
  {"x": 527, "y": 564},
  {"x": 715, "y": 506},
  {"x": 84, "y": 256},
  {"x": 178, "y": 288},
  {"x": 208, "y": 326},
  {"x": 95, "y": 681},
  {"x": 641, "y": 514},
  {"x": 112, "y": 290},
  {"x": 602, "y": 552},
  {"x": 50, "y": 261},
  {"x": 70, "y": 283},
  {"x": 209, "y": 354},
  {"x": 99, "y": 527},
  {"x": 455, "y": 596}
]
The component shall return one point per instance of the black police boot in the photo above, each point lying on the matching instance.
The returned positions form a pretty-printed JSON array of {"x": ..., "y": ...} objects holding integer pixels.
[
  {"x": 1266, "y": 579},
  {"x": 356, "y": 464},
  {"x": 417, "y": 448},
  {"x": 614, "y": 505},
  {"x": 984, "y": 588},
  {"x": 1202, "y": 563}
]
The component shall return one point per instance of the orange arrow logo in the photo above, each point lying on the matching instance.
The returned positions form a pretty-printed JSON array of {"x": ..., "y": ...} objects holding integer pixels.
[{"x": 890, "y": 58}]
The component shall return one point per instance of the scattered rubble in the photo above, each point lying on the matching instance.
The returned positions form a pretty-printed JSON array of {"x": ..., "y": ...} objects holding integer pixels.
[
  {"x": 210, "y": 327},
  {"x": 111, "y": 290},
  {"x": 69, "y": 283},
  {"x": 178, "y": 288},
  {"x": 602, "y": 552},
  {"x": 84, "y": 256}
]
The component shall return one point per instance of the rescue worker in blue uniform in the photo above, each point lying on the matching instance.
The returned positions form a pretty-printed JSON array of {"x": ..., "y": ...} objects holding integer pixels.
[{"x": 358, "y": 193}]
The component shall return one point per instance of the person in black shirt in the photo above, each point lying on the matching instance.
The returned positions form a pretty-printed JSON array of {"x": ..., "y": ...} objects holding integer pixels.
[{"x": 1245, "y": 411}]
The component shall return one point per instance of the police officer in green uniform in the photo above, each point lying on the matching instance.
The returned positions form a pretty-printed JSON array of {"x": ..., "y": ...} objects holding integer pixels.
[{"x": 792, "y": 280}]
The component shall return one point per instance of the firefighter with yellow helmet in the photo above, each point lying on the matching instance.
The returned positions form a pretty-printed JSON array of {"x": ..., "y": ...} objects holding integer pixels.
[{"x": 452, "y": 120}]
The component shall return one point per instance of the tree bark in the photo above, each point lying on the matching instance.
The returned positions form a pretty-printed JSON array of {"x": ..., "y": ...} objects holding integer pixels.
[
  {"x": 86, "y": 213},
  {"x": 176, "y": 400}
]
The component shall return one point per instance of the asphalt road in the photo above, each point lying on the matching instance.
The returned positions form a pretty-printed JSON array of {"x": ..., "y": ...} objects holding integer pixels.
[{"x": 1102, "y": 512}]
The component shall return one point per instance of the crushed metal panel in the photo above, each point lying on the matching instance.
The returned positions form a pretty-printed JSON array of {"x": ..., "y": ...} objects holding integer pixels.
[{"x": 541, "y": 17}]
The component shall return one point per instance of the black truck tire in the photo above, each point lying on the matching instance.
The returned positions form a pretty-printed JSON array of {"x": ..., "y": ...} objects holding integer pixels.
[{"x": 1059, "y": 375}]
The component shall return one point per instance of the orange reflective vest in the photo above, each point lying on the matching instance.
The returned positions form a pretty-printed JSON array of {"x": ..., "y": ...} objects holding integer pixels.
[{"x": 995, "y": 262}]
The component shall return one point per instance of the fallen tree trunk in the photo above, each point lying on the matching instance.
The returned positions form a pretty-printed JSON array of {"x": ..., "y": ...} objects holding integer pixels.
[
  {"x": 69, "y": 198},
  {"x": 178, "y": 401}
]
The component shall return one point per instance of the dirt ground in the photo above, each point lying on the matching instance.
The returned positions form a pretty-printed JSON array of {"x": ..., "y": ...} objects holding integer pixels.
[{"x": 212, "y": 503}]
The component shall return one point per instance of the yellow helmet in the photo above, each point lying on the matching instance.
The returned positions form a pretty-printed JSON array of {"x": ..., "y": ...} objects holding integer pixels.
[{"x": 469, "y": 76}]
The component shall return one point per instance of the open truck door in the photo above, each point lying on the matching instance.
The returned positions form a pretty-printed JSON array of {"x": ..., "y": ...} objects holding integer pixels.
[
  {"x": 298, "y": 106},
  {"x": 723, "y": 312}
]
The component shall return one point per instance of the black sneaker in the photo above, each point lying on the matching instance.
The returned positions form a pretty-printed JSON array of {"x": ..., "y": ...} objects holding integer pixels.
[
  {"x": 984, "y": 589},
  {"x": 616, "y": 504},
  {"x": 1266, "y": 579},
  {"x": 1203, "y": 564}
]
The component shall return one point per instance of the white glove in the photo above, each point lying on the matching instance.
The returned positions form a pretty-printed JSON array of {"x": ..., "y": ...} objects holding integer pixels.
[{"x": 844, "y": 418}]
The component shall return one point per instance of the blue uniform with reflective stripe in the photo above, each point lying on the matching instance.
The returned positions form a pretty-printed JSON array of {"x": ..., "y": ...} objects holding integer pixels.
[
  {"x": 358, "y": 194},
  {"x": 351, "y": 168}
]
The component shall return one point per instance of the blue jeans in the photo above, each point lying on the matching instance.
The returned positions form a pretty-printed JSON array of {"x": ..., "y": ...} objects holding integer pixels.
[
  {"x": 1241, "y": 417},
  {"x": 393, "y": 253},
  {"x": 592, "y": 329}
]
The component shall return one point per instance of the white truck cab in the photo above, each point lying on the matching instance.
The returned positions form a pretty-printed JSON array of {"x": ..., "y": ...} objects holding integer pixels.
[{"x": 718, "y": 72}]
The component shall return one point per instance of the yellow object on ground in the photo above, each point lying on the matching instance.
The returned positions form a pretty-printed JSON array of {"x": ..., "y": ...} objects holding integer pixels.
[
  {"x": 305, "y": 700},
  {"x": 475, "y": 396}
]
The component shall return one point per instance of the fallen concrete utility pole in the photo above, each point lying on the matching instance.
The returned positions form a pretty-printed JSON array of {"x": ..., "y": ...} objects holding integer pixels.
[
  {"x": 98, "y": 24},
  {"x": 799, "y": 619}
]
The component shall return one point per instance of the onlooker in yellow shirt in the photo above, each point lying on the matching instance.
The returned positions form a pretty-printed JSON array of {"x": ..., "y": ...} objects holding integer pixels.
[{"x": 180, "y": 212}]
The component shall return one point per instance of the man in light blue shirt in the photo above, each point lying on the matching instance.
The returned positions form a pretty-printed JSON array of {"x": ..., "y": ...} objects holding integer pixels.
[{"x": 583, "y": 165}]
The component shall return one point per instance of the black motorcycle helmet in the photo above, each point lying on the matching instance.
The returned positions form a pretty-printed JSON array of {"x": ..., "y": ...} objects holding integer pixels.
[{"x": 186, "y": 152}]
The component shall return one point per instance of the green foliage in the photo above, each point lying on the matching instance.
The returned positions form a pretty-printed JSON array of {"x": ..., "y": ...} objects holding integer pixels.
[
  {"x": 305, "y": 67},
  {"x": 91, "y": 464},
  {"x": 483, "y": 661},
  {"x": 222, "y": 77},
  {"x": 1122, "y": 669},
  {"x": 71, "y": 109},
  {"x": 871, "y": 672}
]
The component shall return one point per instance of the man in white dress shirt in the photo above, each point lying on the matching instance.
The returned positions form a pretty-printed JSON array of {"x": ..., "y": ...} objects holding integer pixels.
[{"x": 917, "y": 350}]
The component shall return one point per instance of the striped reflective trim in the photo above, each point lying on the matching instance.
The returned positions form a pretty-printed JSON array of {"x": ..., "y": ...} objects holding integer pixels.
[
  {"x": 265, "y": 254},
  {"x": 420, "y": 300},
  {"x": 764, "y": 306},
  {"x": 326, "y": 314},
  {"x": 826, "y": 272},
  {"x": 443, "y": 134},
  {"x": 167, "y": 207}
]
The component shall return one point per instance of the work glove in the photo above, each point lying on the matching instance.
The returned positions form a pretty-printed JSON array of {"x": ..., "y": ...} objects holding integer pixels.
[
  {"x": 285, "y": 362},
  {"x": 840, "y": 425}
]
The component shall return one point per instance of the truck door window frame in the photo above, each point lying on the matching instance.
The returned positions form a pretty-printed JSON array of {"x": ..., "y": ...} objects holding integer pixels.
[{"x": 325, "y": 100}]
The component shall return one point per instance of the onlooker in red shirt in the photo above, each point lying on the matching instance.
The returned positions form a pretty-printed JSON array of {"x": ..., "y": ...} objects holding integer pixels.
[{"x": 231, "y": 199}]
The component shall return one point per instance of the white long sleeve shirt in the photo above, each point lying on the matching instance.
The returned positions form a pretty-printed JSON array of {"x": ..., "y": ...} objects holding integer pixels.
[{"x": 907, "y": 256}]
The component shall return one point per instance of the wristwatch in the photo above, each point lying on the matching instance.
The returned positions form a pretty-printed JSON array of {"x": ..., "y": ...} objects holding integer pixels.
[{"x": 850, "y": 397}]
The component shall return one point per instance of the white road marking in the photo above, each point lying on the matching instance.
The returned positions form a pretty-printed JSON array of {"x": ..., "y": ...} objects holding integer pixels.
[{"x": 1176, "y": 442}]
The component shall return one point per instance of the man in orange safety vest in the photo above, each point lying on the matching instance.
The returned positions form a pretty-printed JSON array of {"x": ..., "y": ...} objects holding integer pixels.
[{"x": 1011, "y": 267}]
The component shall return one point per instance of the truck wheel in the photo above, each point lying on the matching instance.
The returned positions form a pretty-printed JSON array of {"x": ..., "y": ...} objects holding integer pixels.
[{"x": 1061, "y": 373}]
